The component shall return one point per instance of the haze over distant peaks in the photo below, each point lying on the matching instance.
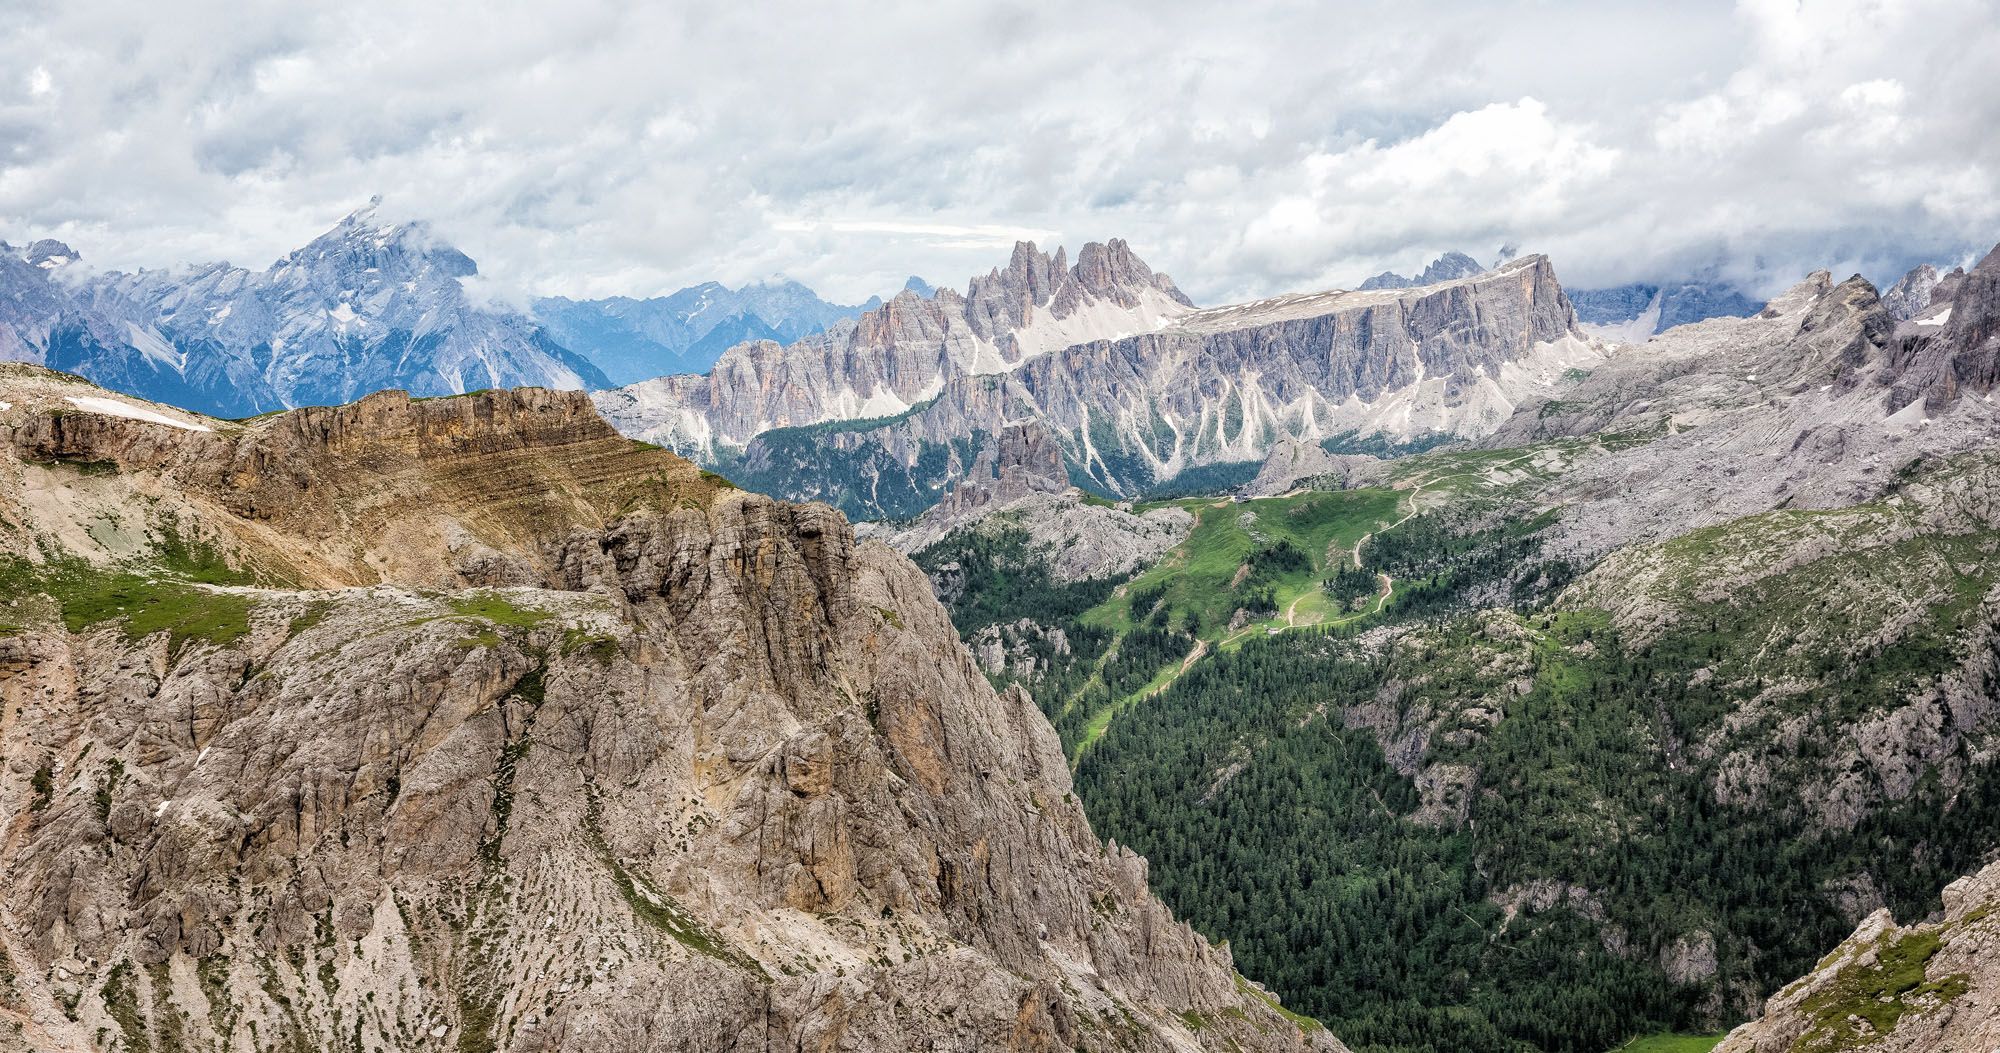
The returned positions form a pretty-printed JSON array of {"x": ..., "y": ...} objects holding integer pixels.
[{"x": 686, "y": 331}]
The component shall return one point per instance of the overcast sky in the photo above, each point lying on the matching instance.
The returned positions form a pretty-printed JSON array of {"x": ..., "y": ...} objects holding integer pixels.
[{"x": 1247, "y": 148}]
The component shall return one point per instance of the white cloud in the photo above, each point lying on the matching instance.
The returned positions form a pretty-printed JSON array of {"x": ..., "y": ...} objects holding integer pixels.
[{"x": 612, "y": 148}]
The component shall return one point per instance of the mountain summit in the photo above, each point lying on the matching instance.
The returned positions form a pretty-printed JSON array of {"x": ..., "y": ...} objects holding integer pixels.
[
  {"x": 368, "y": 305},
  {"x": 1448, "y": 267}
]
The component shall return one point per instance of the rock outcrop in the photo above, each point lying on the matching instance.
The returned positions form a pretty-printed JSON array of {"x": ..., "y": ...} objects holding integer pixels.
[
  {"x": 1292, "y": 463},
  {"x": 706, "y": 773},
  {"x": 1911, "y": 295},
  {"x": 1954, "y": 350},
  {"x": 1022, "y": 461},
  {"x": 1926, "y": 988}
]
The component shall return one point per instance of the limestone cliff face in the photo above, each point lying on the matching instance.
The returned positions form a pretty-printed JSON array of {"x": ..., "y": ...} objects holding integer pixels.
[
  {"x": 1924, "y": 988},
  {"x": 1955, "y": 349},
  {"x": 1226, "y": 384},
  {"x": 1293, "y": 463},
  {"x": 1020, "y": 462},
  {"x": 718, "y": 777}
]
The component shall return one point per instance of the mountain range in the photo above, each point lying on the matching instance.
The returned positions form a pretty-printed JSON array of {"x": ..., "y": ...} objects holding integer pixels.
[
  {"x": 878, "y": 420},
  {"x": 369, "y": 305},
  {"x": 1623, "y": 313},
  {"x": 1467, "y": 680},
  {"x": 633, "y": 340},
  {"x": 1137, "y": 386}
]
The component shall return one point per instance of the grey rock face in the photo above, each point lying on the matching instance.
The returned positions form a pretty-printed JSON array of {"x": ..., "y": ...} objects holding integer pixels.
[
  {"x": 1911, "y": 294},
  {"x": 717, "y": 774},
  {"x": 1021, "y": 461},
  {"x": 1224, "y": 385},
  {"x": 1632, "y": 313},
  {"x": 1292, "y": 463},
  {"x": 1448, "y": 267},
  {"x": 1814, "y": 403},
  {"x": 1955, "y": 350},
  {"x": 1019, "y": 481}
]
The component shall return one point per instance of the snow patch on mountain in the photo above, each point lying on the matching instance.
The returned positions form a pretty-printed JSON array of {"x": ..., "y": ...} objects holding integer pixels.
[{"x": 115, "y": 408}]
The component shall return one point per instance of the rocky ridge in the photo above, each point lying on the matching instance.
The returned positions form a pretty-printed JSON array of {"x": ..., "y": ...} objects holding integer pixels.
[
  {"x": 902, "y": 354},
  {"x": 1222, "y": 385},
  {"x": 1931, "y": 987},
  {"x": 286, "y": 761},
  {"x": 1816, "y": 402}
]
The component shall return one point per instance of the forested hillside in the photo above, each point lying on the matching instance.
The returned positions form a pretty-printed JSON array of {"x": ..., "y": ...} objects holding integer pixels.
[{"x": 1523, "y": 799}]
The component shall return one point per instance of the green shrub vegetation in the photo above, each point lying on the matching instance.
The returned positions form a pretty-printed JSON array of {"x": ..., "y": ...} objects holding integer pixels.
[{"x": 143, "y": 600}]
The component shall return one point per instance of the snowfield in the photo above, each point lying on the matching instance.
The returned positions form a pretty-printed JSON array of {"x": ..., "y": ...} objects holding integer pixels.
[{"x": 115, "y": 408}]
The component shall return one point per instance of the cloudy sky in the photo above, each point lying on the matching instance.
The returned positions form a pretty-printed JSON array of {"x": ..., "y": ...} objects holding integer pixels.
[{"x": 1248, "y": 148}]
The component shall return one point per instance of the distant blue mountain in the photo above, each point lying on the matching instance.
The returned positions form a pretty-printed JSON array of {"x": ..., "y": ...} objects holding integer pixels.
[
  {"x": 685, "y": 332},
  {"x": 1641, "y": 309}
]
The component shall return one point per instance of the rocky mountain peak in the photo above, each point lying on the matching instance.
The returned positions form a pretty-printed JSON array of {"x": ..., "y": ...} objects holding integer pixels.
[
  {"x": 50, "y": 254},
  {"x": 616, "y": 775},
  {"x": 363, "y": 245},
  {"x": 1953, "y": 346},
  {"x": 1103, "y": 265},
  {"x": 1907, "y": 298},
  {"x": 1449, "y": 267}
]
